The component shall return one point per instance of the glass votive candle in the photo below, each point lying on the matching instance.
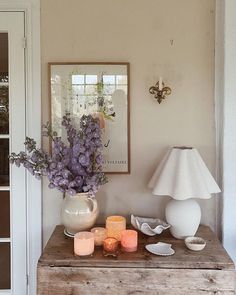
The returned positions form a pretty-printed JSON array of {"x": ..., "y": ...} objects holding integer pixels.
[
  {"x": 100, "y": 234},
  {"x": 110, "y": 247},
  {"x": 129, "y": 240},
  {"x": 114, "y": 226},
  {"x": 84, "y": 243}
]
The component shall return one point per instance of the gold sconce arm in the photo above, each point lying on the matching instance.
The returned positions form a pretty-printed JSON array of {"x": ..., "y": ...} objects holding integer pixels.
[{"x": 160, "y": 94}]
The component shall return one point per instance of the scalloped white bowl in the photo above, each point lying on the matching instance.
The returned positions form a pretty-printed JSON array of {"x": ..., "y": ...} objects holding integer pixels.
[{"x": 149, "y": 226}]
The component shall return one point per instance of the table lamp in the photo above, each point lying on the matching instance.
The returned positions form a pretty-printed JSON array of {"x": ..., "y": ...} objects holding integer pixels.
[{"x": 183, "y": 175}]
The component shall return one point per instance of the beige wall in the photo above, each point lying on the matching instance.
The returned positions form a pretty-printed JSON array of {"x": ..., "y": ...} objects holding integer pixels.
[{"x": 140, "y": 32}]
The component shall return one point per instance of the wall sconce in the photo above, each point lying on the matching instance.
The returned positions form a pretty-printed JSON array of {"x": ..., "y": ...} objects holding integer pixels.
[{"x": 160, "y": 90}]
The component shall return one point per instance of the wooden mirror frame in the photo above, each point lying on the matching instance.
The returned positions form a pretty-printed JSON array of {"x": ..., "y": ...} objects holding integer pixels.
[{"x": 50, "y": 64}]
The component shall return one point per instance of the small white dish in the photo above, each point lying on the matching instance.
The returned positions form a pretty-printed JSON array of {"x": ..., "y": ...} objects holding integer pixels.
[
  {"x": 195, "y": 243},
  {"x": 149, "y": 226},
  {"x": 66, "y": 233},
  {"x": 162, "y": 249}
]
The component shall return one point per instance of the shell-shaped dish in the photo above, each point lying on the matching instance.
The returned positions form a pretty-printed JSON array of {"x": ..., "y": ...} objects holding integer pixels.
[
  {"x": 149, "y": 226},
  {"x": 162, "y": 249}
]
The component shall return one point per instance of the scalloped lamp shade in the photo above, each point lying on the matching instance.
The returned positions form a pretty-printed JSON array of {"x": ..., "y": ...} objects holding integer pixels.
[{"x": 182, "y": 174}]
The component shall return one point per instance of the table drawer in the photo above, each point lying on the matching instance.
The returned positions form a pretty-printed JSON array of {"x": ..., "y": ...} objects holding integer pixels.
[{"x": 85, "y": 280}]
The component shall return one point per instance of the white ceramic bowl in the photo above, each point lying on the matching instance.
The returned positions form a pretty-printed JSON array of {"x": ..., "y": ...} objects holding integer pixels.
[
  {"x": 195, "y": 243},
  {"x": 149, "y": 226}
]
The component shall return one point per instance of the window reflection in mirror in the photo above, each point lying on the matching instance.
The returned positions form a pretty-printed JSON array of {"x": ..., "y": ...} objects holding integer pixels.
[{"x": 101, "y": 90}]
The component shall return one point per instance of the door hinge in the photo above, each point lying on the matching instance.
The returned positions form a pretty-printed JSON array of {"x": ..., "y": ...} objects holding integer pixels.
[
  {"x": 27, "y": 280},
  {"x": 24, "y": 42}
]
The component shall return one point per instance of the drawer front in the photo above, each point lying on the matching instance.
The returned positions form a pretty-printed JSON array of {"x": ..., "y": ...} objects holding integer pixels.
[{"x": 121, "y": 281}]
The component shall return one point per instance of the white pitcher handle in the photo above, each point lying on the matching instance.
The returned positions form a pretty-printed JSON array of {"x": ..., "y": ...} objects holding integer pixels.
[{"x": 94, "y": 203}]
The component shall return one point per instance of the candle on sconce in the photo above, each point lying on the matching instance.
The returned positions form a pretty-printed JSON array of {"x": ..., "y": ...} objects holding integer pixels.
[
  {"x": 129, "y": 240},
  {"x": 160, "y": 83},
  {"x": 115, "y": 225},
  {"x": 110, "y": 247},
  {"x": 100, "y": 234},
  {"x": 84, "y": 243}
]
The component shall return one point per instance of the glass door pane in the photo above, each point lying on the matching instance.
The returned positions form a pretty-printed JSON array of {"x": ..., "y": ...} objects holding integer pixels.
[
  {"x": 4, "y": 214},
  {"x": 5, "y": 241},
  {"x": 4, "y": 162},
  {"x": 4, "y": 91},
  {"x": 5, "y": 266}
]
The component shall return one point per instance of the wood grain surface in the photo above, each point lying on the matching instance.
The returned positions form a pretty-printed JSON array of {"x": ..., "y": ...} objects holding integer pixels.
[
  {"x": 119, "y": 281},
  {"x": 59, "y": 252}
]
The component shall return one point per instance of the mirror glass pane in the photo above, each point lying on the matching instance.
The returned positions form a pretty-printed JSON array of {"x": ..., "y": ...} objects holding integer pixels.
[
  {"x": 4, "y": 90},
  {"x": 4, "y": 162},
  {"x": 109, "y": 79},
  {"x": 91, "y": 79},
  {"x": 5, "y": 214},
  {"x": 100, "y": 90},
  {"x": 78, "y": 79},
  {"x": 121, "y": 79},
  {"x": 5, "y": 266}
]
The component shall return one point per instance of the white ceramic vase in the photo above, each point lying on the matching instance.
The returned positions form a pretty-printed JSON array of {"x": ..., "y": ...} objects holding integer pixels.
[
  {"x": 78, "y": 213},
  {"x": 184, "y": 217}
]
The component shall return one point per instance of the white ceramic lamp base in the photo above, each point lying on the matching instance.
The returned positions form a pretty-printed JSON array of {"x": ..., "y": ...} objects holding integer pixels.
[{"x": 184, "y": 217}]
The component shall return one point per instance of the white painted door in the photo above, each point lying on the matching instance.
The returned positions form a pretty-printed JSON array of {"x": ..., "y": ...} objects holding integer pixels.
[{"x": 13, "y": 250}]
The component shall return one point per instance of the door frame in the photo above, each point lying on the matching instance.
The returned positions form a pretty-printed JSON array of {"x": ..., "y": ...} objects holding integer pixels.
[{"x": 31, "y": 8}]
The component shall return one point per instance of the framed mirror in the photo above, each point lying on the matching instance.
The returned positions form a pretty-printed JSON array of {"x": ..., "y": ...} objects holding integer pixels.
[{"x": 102, "y": 90}]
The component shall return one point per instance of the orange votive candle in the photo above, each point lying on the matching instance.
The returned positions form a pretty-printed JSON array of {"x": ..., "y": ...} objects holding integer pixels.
[
  {"x": 129, "y": 240},
  {"x": 100, "y": 234},
  {"x": 110, "y": 245},
  {"x": 114, "y": 226},
  {"x": 84, "y": 243}
]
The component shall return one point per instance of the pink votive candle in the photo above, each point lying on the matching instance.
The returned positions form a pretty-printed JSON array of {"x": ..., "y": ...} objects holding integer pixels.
[
  {"x": 84, "y": 243},
  {"x": 100, "y": 234},
  {"x": 129, "y": 240}
]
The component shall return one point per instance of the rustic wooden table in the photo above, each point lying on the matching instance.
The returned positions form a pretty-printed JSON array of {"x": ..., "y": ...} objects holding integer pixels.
[{"x": 210, "y": 271}]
